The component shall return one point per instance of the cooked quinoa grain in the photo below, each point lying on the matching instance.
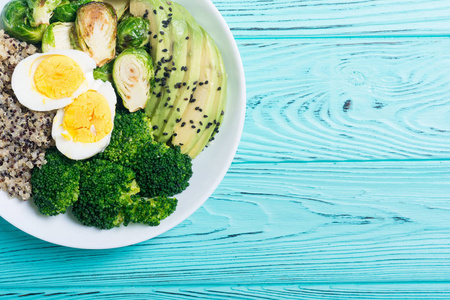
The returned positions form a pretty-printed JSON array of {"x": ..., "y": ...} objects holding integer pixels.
[{"x": 24, "y": 134}]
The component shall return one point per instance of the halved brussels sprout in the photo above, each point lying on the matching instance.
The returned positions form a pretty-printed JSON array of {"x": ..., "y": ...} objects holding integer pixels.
[
  {"x": 132, "y": 32},
  {"x": 133, "y": 76},
  {"x": 57, "y": 37},
  {"x": 67, "y": 10},
  {"x": 96, "y": 30},
  {"x": 120, "y": 6},
  {"x": 42, "y": 11},
  {"x": 104, "y": 73},
  {"x": 15, "y": 20}
]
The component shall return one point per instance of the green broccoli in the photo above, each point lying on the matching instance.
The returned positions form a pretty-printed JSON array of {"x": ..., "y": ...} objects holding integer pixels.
[
  {"x": 109, "y": 197},
  {"x": 131, "y": 132},
  {"x": 105, "y": 192},
  {"x": 150, "y": 211},
  {"x": 55, "y": 186},
  {"x": 162, "y": 170}
]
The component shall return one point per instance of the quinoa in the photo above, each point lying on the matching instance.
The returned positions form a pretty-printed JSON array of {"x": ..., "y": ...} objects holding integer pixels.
[{"x": 24, "y": 134}]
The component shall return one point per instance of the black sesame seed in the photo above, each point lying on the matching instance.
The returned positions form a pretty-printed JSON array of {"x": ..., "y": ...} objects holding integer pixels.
[
  {"x": 162, "y": 32},
  {"x": 154, "y": 11},
  {"x": 182, "y": 124},
  {"x": 193, "y": 126},
  {"x": 219, "y": 88},
  {"x": 187, "y": 37},
  {"x": 206, "y": 82},
  {"x": 155, "y": 127},
  {"x": 191, "y": 121}
]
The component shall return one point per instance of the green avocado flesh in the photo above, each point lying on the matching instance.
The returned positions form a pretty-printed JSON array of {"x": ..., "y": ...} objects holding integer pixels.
[{"x": 187, "y": 104}]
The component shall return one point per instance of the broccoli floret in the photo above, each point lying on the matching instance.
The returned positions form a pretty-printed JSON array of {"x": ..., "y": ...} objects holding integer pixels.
[
  {"x": 131, "y": 132},
  {"x": 109, "y": 197},
  {"x": 105, "y": 192},
  {"x": 150, "y": 211},
  {"x": 55, "y": 186},
  {"x": 162, "y": 170}
]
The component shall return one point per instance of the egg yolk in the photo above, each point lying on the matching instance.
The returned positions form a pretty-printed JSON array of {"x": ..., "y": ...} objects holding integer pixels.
[
  {"x": 58, "y": 76},
  {"x": 88, "y": 118}
]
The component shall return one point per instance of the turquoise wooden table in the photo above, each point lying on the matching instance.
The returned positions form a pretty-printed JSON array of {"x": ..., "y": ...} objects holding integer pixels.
[{"x": 341, "y": 185}]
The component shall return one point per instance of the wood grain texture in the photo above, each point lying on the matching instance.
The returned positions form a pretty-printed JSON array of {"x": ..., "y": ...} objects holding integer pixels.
[
  {"x": 316, "y": 223},
  {"x": 346, "y": 99},
  {"x": 340, "y": 187},
  {"x": 403, "y": 291},
  {"x": 299, "y": 18}
]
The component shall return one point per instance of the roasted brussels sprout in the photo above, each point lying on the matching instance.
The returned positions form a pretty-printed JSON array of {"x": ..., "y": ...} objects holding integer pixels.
[
  {"x": 120, "y": 6},
  {"x": 105, "y": 72},
  {"x": 57, "y": 37},
  {"x": 42, "y": 11},
  {"x": 67, "y": 10},
  {"x": 132, "y": 32},
  {"x": 15, "y": 20},
  {"x": 133, "y": 74},
  {"x": 96, "y": 30}
]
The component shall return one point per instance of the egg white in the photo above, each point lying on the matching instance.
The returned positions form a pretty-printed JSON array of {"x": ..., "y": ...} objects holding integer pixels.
[
  {"x": 78, "y": 150},
  {"x": 22, "y": 80}
]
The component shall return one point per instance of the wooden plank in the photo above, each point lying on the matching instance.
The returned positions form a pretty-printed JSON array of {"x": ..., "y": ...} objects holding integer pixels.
[
  {"x": 315, "y": 223},
  {"x": 296, "y": 18},
  {"x": 402, "y": 291},
  {"x": 346, "y": 99}
]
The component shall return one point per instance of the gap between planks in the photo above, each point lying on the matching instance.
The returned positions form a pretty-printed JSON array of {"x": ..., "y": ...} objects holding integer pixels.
[{"x": 334, "y": 37}]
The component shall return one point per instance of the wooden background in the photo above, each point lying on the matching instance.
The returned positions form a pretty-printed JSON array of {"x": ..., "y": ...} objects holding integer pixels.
[{"x": 341, "y": 185}]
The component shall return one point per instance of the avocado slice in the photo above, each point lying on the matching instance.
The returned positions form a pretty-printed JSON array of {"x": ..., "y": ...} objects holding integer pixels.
[
  {"x": 191, "y": 74},
  {"x": 200, "y": 110},
  {"x": 187, "y": 103},
  {"x": 217, "y": 112},
  {"x": 173, "y": 74}
]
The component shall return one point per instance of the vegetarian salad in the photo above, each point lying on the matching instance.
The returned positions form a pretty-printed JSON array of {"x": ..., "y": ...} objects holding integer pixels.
[{"x": 137, "y": 89}]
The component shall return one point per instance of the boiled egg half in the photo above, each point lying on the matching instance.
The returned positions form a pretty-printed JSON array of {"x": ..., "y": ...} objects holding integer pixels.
[
  {"x": 83, "y": 128},
  {"x": 48, "y": 81}
]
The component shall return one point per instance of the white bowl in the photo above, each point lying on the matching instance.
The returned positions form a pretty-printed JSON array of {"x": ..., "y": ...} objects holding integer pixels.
[{"x": 209, "y": 167}]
